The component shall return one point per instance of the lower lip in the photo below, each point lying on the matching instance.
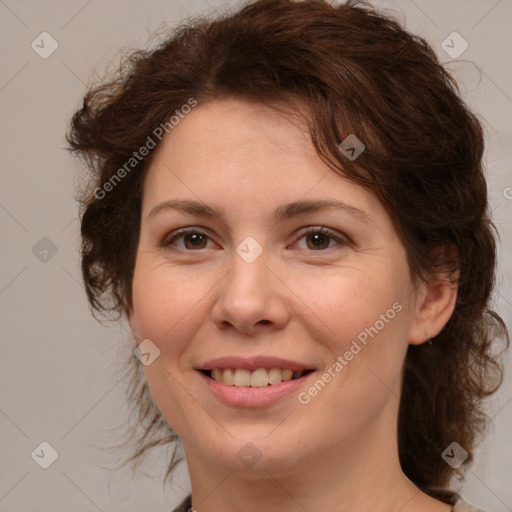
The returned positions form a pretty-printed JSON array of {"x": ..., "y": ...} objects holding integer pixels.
[{"x": 253, "y": 397}]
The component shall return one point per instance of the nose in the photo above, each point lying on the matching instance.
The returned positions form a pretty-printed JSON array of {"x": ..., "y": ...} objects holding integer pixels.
[{"x": 251, "y": 298}]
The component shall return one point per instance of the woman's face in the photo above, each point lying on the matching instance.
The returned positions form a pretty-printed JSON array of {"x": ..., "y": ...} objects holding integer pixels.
[{"x": 261, "y": 281}]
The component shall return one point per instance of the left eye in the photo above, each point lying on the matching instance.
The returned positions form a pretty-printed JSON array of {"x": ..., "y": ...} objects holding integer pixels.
[
  {"x": 320, "y": 238},
  {"x": 194, "y": 239}
]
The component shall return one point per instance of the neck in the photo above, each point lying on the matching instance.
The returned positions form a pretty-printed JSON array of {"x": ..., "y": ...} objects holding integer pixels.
[{"x": 362, "y": 473}]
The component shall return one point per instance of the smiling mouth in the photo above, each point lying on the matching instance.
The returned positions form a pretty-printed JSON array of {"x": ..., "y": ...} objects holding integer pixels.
[{"x": 261, "y": 377}]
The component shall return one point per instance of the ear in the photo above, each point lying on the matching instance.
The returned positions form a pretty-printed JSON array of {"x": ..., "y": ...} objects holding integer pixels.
[{"x": 434, "y": 306}]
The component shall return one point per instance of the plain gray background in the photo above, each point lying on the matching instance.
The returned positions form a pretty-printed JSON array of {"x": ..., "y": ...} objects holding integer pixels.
[{"x": 60, "y": 369}]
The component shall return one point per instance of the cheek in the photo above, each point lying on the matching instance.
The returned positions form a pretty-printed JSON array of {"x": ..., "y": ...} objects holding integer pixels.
[
  {"x": 167, "y": 306},
  {"x": 366, "y": 318},
  {"x": 167, "y": 309},
  {"x": 352, "y": 301},
  {"x": 367, "y": 342}
]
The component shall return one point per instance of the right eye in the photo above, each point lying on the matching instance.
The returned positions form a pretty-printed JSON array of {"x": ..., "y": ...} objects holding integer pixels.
[{"x": 193, "y": 239}]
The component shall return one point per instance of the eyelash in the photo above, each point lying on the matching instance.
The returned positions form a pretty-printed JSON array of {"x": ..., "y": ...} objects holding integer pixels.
[{"x": 310, "y": 231}]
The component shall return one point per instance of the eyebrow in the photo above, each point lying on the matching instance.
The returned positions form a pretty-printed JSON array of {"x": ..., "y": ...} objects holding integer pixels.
[{"x": 284, "y": 211}]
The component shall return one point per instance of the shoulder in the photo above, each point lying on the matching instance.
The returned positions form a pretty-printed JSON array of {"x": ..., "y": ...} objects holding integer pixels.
[
  {"x": 453, "y": 498},
  {"x": 186, "y": 505},
  {"x": 464, "y": 506},
  {"x": 446, "y": 495}
]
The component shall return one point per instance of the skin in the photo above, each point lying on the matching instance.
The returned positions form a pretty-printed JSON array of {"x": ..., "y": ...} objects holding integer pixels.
[{"x": 295, "y": 301}]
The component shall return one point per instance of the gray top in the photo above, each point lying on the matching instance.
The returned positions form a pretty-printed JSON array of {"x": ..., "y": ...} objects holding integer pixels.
[{"x": 440, "y": 493}]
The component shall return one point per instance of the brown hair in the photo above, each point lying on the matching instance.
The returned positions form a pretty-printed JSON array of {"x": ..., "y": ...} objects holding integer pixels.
[{"x": 355, "y": 71}]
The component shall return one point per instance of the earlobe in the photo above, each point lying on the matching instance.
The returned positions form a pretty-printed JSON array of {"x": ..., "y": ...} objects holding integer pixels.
[{"x": 435, "y": 306}]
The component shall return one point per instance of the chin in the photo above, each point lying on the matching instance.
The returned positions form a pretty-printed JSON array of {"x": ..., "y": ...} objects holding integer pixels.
[{"x": 254, "y": 454}]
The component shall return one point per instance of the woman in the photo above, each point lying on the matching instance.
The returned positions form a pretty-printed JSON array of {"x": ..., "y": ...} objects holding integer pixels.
[{"x": 288, "y": 205}]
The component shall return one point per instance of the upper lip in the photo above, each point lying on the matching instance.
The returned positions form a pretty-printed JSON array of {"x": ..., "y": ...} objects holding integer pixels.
[{"x": 252, "y": 363}]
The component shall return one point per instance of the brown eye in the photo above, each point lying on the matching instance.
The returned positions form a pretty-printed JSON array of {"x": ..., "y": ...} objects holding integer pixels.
[
  {"x": 318, "y": 241},
  {"x": 321, "y": 238},
  {"x": 195, "y": 240},
  {"x": 192, "y": 239}
]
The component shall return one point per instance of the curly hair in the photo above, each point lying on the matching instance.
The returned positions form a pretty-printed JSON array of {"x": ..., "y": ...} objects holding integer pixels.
[{"x": 354, "y": 70}]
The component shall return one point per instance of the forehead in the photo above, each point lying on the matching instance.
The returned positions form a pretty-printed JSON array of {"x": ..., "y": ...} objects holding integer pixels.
[
  {"x": 231, "y": 127},
  {"x": 235, "y": 151}
]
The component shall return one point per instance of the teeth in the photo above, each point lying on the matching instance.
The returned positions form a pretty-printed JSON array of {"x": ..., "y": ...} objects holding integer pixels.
[
  {"x": 259, "y": 378},
  {"x": 256, "y": 379},
  {"x": 274, "y": 376},
  {"x": 227, "y": 377},
  {"x": 242, "y": 378}
]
